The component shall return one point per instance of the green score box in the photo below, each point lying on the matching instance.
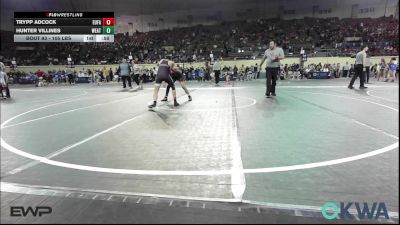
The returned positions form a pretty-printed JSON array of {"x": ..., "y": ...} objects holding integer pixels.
[{"x": 108, "y": 30}]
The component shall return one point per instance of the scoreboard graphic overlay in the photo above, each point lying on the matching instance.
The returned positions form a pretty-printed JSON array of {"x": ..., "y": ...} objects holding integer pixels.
[{"x": 63, "y": 26}]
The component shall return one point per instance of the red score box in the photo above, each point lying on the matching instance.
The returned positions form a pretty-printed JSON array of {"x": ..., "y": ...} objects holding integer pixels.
[{"x": 108, "y": 21}]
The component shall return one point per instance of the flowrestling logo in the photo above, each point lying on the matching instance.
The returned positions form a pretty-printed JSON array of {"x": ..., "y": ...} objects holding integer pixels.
[{"x": 331, "y": 210}]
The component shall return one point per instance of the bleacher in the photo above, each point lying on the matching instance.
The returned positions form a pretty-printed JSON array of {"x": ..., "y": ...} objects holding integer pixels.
[{"x": 230, "y": 40}]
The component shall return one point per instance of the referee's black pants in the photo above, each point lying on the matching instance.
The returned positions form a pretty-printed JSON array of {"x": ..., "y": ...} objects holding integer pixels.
[
  {"x": 358, "y": 73},
  {"x": 272, "y": 76},
  {"x": 124, "y": 79}
]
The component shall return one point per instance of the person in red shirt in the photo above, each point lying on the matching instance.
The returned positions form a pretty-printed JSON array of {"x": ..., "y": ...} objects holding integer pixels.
[{"x": 39, "y": 73}]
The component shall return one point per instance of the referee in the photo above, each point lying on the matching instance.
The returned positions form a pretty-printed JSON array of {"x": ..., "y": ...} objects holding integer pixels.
[
  {"x": 361, "y": 59},
  {"x": 273, "y": 55},
  {"x": 124, "y": 70}
]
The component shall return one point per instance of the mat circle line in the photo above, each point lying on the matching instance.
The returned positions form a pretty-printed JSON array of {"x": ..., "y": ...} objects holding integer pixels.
[{"x": 388, "y": 148}]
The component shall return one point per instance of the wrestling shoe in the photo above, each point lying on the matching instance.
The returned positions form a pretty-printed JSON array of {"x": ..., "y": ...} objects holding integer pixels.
[{"x": 153, "y": 105}]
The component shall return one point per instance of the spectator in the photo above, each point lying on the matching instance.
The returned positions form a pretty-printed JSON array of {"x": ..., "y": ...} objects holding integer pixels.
[{"x": 346, "y": 69}]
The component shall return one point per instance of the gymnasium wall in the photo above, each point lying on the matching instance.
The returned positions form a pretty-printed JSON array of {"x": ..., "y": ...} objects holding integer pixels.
[
  {"x": 238, "y": 63},
  {"x": 147, "y": 15},
  {"x": 253, "y": 10}
]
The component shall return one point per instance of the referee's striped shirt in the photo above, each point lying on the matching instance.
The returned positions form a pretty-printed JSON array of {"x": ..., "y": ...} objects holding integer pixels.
[{"x": 360, "y": 58}]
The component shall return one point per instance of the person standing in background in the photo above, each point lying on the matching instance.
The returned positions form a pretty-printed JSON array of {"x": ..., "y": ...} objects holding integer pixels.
[
  {"x": 111, "y": 74},
  {"x": 333, "y": 70},
  {"x": 105, "y": 74},
  {"x": 124, "y": 71},
  {"x": 90, "y": 74},
  {"x": 286, "y": 69},
  {"x": 359, "y": 67},
  {"x": 338, "y": 70},
  {"x": 382, "y": 68},
  {"x": 101, "y": 77},
  {"x": 352, "y": 70},
  {"x": 4, "y": 82},
  {"x": 70, "y": 75},
  {"x": 387, "y": 70},
  {"x": 242, "y": 72},
  {"x": 373, "y": 70},
  {"x": 256, "y": 72},
  {"x": 367, "y": 68},
  {"x": 235, "y": 72},
  {"x": 217, "y": 71},
  {"x": 346, "y": 69},
  {"x": 137, "y": 76},
  {"x": 392, "y": 70}
]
